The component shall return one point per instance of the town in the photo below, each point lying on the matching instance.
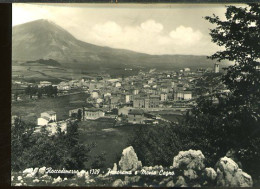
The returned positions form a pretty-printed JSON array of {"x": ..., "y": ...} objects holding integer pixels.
[{"x": 146, "y": 98}]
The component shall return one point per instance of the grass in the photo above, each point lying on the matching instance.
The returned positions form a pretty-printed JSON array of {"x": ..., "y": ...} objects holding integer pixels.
[
  {"x": 108, "y": 139},
  {"x": 31, "y": 109}
]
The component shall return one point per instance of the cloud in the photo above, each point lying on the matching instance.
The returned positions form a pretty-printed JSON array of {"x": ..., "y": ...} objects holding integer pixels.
[
  {"x": 185, "y": 35},
  {"x": 152, "y": 26},
  {"x": 148, "y": 37},
  {"x": 108, "y": 29}
]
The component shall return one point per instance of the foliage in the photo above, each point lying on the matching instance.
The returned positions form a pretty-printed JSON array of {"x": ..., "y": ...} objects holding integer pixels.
[
  {"x": 58, "y": 151},
  {"x": 50, "y": 91},
  {"x": 99, "y": 162}
]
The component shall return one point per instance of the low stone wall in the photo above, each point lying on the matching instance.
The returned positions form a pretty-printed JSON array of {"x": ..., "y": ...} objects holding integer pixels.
[{"x": 188, "y": 170}]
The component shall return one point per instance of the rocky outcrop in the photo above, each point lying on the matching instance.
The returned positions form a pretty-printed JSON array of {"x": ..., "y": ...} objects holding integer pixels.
[
  {"x": 192, "y": 159},
  {"x": 129, "y": 160},
  {"x": 188, "y": 170},
  {"x": 229, "y": 174}
]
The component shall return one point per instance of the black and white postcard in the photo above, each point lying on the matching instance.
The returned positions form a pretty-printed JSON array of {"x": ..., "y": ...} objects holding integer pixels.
[{"x": 135, "y": 95}]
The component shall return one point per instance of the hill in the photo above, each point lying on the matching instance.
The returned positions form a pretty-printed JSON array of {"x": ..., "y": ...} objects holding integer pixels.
[{"x": 43, "y": 39}]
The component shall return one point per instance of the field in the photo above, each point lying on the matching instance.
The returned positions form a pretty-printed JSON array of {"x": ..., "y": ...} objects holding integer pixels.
[
  {"x": 108, "y": 139},
  {"x": 31, "y": 109}
]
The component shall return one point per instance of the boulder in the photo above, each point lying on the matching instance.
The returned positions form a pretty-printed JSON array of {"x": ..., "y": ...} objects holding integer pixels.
[
  {"x": 35, "y": 171},
  {"x": 229, "y": 174},
  {"x": 19, "y": 178},
  {"x": 118, "y": 183},
  {"x": 57, "y": 180},
  {"x": 114, "y": 167},
  {"x": 170, "y": 184},
  {"x": 42, "y": 171},
  {"x": 132, "y": 179},
  {"x": 28, "y": 171},
  {"x": 210, "y": 174},
  {"x": 129, "y": 160},
  {"x": 81, "y": 174},
  {"x": 180, "y": 182},
  {"x": 36, "y": 180},
  {"x": 191, "y": 174},
  {"x": 192, "y": 159}
]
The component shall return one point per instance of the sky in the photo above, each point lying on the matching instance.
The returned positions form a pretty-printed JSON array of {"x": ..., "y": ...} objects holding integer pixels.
[{"x": 148, "y": 28}]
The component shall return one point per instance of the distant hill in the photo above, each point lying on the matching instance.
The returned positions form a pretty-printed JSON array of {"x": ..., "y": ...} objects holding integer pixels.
[
  {"x": 43, "y": 39},
  {"x": 48, "y": 62}
]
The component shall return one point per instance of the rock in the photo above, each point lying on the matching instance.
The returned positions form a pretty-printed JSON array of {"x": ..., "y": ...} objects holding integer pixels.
[
  {"x": 170, "y": 184},
  {"x": 12, "y": 178},
  {"x": 46, "y": 177},
  {"x": 129, "y": 160},
  {"x": 81, "y": 174},
  {"x": 210, "y": 173},
  {"x": 42, "y": 171},
  {"x": 192, "y": 159},
  {"x": 35, "y": 171},
  {"x": 114, "y": 167},
  {"x": 65, "y": 178},
  {"x": 196, "y": 185},
  {"x": 118, "y": 183},
  {"x": 28, "y": 171},
  {"x": 57, "y": 180},
  {"x": 29, "y": 175},
  {"x": 229, "y": 175},
  {"x": 36, "y": 180},
  {"x": 87, "y": 176},
  {"x": 132, "y": 179},
  {"x": 180, "y": 182},
  {"x": 191, "y": 174},
  {"x": 19, "y": 178},
  {"x": 164, "y": 181},
  {"x": 18, "y": 184}
]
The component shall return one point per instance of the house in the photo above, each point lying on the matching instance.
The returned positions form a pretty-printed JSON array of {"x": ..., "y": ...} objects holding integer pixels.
[
  {"x": 129, "y": 98},
  {"x": 46, "y": 117},
  {"x": 94, "y": 94},
  {"x": 164, "y": 97},
  {"x": 136, "y": 116},
  {"x": 139, "y": 102},
  {"x": 152, "y": 101},
  {"x": 182, "y": 95},
  {"x": 74, "y": 113},
  {"x": 44, "y": 83},
  {"x": 124, "y": 111},
  {"x": 93, "y": 113}
]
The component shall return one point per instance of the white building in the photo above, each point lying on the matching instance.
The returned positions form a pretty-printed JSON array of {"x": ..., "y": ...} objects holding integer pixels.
[
  {"x": 216, "y": 68},
  {"x": 94, "y": 94},
  {"x": 164, "y": 96},
  {"x": 46, "y": 117}
]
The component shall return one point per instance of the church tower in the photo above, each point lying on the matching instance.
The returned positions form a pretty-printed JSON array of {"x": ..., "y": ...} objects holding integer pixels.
[{"x": 216, "y": 68}]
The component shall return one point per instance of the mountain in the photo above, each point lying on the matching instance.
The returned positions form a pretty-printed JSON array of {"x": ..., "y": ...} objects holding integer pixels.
[{"x": 43, "y": 39}]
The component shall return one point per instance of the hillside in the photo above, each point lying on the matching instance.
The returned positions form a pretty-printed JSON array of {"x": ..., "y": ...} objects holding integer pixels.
[{"x": 43, "y": 39}]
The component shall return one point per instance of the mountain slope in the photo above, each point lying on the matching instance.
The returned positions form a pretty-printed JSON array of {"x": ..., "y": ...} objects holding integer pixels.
[{"x": 42, "y": 39}]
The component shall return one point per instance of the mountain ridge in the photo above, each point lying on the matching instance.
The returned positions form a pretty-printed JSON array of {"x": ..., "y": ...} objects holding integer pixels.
[{"x": 43, "y": 39}]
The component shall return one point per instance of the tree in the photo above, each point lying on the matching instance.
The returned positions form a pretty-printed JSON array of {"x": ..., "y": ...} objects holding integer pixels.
[{"x": 236, "y": 119}]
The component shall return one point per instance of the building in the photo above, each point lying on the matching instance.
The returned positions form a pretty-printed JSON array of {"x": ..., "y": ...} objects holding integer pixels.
[
  {"x": 216, "y": 68},
  {"x": 129, "y": 98},
  {"x": 182, "y": 95},
  {"x": 44, "y": 83},
  {"x": 139, "y": 102},
  {"x": 136, "y": 116},
  {"x": 124, "y": 111},
  {"x": 93, "y": 113},
  {"x": 152, "y": 101},
  {"x": 47, "y": 117},
  {"x": 164, "y": 97}
]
